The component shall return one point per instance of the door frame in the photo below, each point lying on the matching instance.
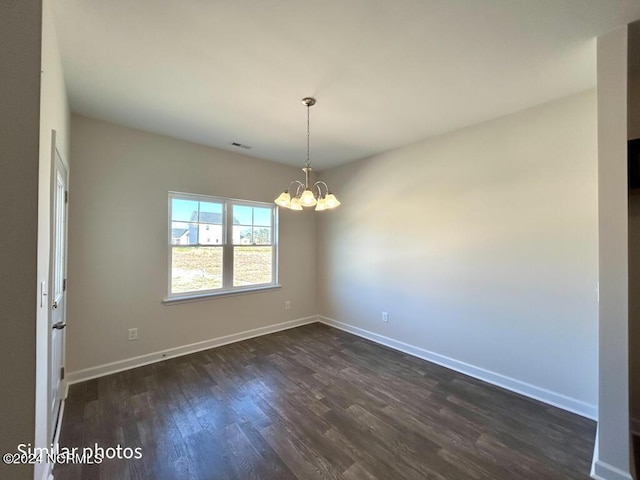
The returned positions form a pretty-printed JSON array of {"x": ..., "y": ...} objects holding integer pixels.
[{"x": 53, "y": 425}]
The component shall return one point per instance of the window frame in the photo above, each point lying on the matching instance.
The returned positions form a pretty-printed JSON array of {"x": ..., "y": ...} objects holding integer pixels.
[{"x": 227, "y": 247}]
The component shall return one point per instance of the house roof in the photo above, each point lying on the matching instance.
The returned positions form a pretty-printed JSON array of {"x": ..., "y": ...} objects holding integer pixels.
[
  {"x": 210, "y": 217},
  {"x": 178, "y": 232}
]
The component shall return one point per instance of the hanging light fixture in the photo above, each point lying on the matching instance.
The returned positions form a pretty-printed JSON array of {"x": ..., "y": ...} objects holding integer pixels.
[{"x": 304, "y": 195}]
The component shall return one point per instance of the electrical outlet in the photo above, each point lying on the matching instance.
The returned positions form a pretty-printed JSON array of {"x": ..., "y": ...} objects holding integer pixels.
[
  {"x": 385, "y": 317},
  {"x": 287, "y": 305},
  {"x": 133, "y": 334}
]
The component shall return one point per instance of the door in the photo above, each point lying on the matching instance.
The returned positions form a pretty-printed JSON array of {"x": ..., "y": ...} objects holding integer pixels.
[{"x": 58, "y": 290}]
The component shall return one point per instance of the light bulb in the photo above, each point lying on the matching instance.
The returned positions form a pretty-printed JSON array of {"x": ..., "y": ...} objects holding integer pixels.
[
  {"x": 321, "y": 205},
  {"x": 307, "y": 199},
  {"x": 284, "y": 199},
  {"x": 331, "y": 201},
  {"x": 295, "y": 204}
]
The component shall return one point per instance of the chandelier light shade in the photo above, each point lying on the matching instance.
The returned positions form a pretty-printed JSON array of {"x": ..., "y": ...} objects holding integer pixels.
[{"x": 303, "y": 194}]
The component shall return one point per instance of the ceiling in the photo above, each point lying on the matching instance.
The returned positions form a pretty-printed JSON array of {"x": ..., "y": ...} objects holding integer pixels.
[{"x": 385, "y": 73}]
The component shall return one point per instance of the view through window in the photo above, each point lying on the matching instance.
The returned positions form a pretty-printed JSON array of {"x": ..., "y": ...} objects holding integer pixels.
[{"x": 219, "y": 244}]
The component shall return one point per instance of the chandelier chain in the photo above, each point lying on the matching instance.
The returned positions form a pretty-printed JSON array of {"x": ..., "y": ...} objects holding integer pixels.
[
  {"x": 305, "y": 194},
  {"x": 308, "y": 163}
]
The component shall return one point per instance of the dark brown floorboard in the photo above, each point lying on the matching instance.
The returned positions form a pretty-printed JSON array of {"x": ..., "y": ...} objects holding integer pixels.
[{"x": 317, "y": 403}]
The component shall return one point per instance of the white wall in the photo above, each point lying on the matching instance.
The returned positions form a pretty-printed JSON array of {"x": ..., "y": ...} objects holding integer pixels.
[
  {"x": 20, "y": 24},
  {"x": 54, "y": 115},
  {"x": 611, "y": 456},
  {"x": 118, "y": 244},
  {"x": 482, "y": 246}
]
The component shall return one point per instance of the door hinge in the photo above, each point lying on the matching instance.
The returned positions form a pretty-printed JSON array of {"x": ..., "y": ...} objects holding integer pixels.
[
  {"x": 64, "y": 285},
  {"x": 61, "y": 373},
  {"x": 66, "y": 196}
]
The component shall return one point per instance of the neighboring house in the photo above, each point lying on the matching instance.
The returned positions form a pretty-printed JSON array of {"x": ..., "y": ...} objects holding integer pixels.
[
  {"x": 207, "y": 230},
  {"x": 179, "y": 236},
  {"x": 210, "y": 231}
]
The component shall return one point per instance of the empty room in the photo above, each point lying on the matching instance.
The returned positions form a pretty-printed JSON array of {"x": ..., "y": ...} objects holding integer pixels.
[{"x": 286, "y": 239}]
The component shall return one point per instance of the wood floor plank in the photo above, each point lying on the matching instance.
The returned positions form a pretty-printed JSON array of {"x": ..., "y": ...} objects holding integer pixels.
[
  {"x": 317, "y": 403},
  {"x": 357, "y": 472},
  {"x": 275, "y": 464}
]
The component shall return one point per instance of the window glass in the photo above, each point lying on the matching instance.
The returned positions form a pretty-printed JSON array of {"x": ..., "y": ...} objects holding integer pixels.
[
  {"x": 252, "y": 225},
  {"x": 210, "y": 213},
  {"x": 198, "y": 244},
  {"x": 183, "y": 210},
  {"x": 252, "y": 265},
  {"x": 194, "y": 269}
]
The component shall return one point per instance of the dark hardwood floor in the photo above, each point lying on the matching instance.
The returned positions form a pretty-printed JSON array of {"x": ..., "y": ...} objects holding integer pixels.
[{"x": 317, "y": 403}]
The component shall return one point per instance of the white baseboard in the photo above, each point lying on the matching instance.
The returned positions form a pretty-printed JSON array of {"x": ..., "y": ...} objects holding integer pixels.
[
  {"x": 604, "y": 471},
  {"x": 129, "y": 363},
  {"x": 46, "y": 468},
  {"x": 56, "y": 439},
  {"x": 526, "y": 389},
  {"x": 552, "y": 398},
  {"x": 43, "y": 471}
]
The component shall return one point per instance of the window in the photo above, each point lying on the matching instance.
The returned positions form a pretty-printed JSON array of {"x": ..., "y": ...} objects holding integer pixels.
[{"x": 218, "y": 245}]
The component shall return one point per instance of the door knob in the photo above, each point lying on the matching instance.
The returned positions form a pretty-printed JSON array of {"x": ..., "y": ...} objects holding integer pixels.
[
  {"x": 59, "y": 326},
  {"x": 55, "y": 305}
]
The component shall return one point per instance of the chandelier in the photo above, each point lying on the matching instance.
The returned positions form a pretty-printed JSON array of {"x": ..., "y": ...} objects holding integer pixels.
[{"x": 305, "y": 195}]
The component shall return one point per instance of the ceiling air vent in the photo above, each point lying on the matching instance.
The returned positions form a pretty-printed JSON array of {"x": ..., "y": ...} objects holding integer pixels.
[{"x": 240, "y": 145}]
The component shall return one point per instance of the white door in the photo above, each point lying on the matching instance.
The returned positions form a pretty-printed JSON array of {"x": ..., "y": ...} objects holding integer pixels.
[{"x": 58, "y": 288}]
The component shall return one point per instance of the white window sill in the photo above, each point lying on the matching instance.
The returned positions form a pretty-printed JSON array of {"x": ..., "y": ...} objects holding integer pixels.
[{"x": 211, "y": 295}]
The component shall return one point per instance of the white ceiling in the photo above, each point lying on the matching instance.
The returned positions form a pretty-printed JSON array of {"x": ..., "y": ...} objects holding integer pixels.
[{"x": 385, "y": 72}]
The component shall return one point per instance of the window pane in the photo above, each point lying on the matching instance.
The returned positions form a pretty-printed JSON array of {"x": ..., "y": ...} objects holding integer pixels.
[
  {"x": 183, "y": 233},
  {"x": 252, "y": 265},
  {"x": 210, "y": 234},
  {"x": 183, "y": 210},
  {"x": 242, "y": 215},
  {"x": 200, "y": 227},
  {"x": 262, "y": 235},
  {"x": 210, "y": 213},
  {"x": 262, "y": 217},
  {"x": 242, "y": 235},
  {"x": 196, "y": 268}
]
